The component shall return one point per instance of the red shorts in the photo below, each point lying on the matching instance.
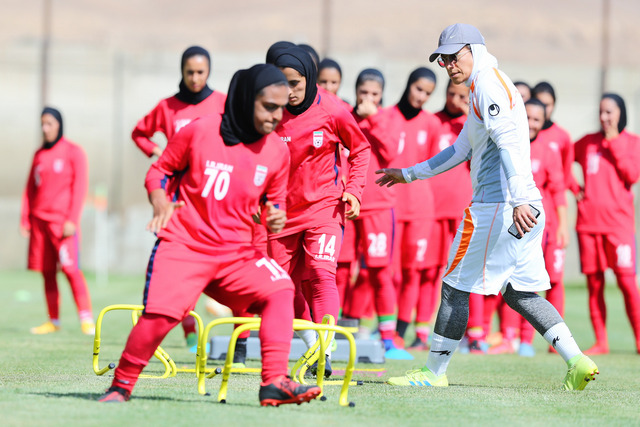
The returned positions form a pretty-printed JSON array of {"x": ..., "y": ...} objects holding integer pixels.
[
  {"x": 615, "y": 251},
  {"x": 315, "y": 247},
  {"x": 348, "y": 251},
  {"x": 554, "y": 256},
  {"x": 177, "y": 275},
  {"x": 47, "y": 248},
  {"x": 440, "y": 238},
  {"x": 412, "y": 243},
  {"x": 376, "y": 233}
]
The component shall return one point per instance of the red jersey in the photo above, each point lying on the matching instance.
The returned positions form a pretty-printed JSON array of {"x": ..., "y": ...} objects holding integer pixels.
[
  {"x": 546, "y": 166},
  {"x": 609, "y": 168},
  {"x": 452, "y": 189},
  {"x": 315, "y": 188},
  {"x": 384, "y": 148},
  {"x": 57, "y": 184},
  {"x": 171, "y": 115},
  {"x": 415, "y": 142},
  {"x": 221, "y": 185},
  {"x": 560, "y": 141}
]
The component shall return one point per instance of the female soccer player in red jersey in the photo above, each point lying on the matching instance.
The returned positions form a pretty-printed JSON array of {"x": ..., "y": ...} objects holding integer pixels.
[
  {"x": 313, "y": 127},
  {"x": 375, "y": 226},
  {"x": 194, "y": 99},
  {"x": 417, "y": 134},
  {"x": 204, "y": 239},
  {"x": 51, "y": 209},
  {"x": 610, "y": 161}
]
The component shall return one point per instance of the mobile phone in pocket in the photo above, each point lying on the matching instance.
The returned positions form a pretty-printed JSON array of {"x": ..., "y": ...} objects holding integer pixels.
[{"x": 514, "y": 231}]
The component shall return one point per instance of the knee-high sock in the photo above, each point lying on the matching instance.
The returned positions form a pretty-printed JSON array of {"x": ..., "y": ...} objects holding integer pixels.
[
  {"x": 509, "y": 321},
  {"x": 189, "y": 325},
  {"x": 275, "y": 334},
  {"x": 475, "y": 327},
  {"x": 555, "y": 296},
  {"x": 408, "y": 297},
  {"x": 51, "y": 294},
  {"x": 450, "y": 326},
  {"x": 237, "y": 313},
  {"x": 385, "y": 300},
  {"x": 343, "y": 281},
  {"x": 80, "y": 292},
  {"x": 429, "y": 294},
  {"x": 324, "y": 294},
  {"x": 597, "y": 307},
  {"x": 629, "y": 288},
  {"x": 359, "y": 300},
  {"x": 490, "y": 306},
  {"x": 526, "y": 331},
  {"x": 144, "y": 339}
]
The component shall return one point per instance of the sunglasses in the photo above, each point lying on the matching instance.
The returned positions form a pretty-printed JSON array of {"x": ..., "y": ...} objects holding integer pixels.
[{"x": 444, "y": 60}]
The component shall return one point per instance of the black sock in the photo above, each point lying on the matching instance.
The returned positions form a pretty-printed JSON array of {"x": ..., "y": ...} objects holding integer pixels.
[{"x": 401, "y": 327}]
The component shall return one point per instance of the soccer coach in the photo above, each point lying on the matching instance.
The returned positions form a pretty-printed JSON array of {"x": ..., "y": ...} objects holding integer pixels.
[{"x": 498, "y": 246}]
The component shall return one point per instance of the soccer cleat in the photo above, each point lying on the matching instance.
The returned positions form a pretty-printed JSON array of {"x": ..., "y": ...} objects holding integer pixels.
[
  {"x": 420, "y": 378},
  {"x": 45, "y": 328},
  {"x": 313, "y": 369},
  {"x": 88, "y": 327},
  {"x": 580, "y": 373},
  {"x": 419, "y": 344},
  {"x": 526, "y": 350},
  {"x": 284, "y": 390},
  {"x": 115, "y": 394},
  {"x": 504, "y": 347},
  {"x": 477, "y": 346}
]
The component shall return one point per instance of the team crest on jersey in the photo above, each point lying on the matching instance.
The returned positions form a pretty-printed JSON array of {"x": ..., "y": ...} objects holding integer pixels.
[
  {"x": 260, "y": 176},
  {"x": 58, "y": 165},
  {"x": 494, "y": 110},
  {"x": 422, "y": 137},
  {"x": 180, "y": 123},
  {"x": 317, "y": 139},
  {"x": 554, "y": 146}
]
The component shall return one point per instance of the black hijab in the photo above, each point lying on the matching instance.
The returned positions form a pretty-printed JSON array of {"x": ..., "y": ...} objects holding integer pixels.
[
  {"x": 329, "y": 63},
  {"x": 312, "y": 52},
  {"x": 404, "y": 106},
  {"x": 185, "y": 95},
  {"x": 298, "y": 59},
  {"x": 370, "y": 74},
  {"x": 56, "y": 115},
  {"x": 275, "y": 49},
  {"x": 623, "y": 109},
  {"x": 544, "y": 87},
  {"x": 237, "y": 121}
]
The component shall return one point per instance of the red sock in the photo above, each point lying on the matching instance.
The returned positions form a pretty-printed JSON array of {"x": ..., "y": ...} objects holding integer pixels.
[
  {"x": 343, "y": 281},
  {"x": 51, "y": 293},
  {"x": 385, "y": 300},
  {"x": 429, "y": 294},
  {"x": 275, "y": 334},
  {"x": 555, "y": 296},
  {"x": 241, "y": 313},
  {"x": 189, "y": 325},
  {"x": 629, "y": 288},
  {"x": 476, "y": 312},
  {"x": 144, "y": 339},
  {"x": 408, "y": 297},
  {"x": 324, "y": 294},
  {"x": 509, "y": 321},
  {"x": 597, "y": 307},
  {"x": 490, "y": 306},
  {"x": 359, "y": 301},
  {"x": 526, "y": 331},
  {"x": 80, "y": 292}
]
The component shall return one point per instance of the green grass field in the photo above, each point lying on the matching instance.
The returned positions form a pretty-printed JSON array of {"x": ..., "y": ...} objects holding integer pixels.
[{"x": 48, "y": 380}]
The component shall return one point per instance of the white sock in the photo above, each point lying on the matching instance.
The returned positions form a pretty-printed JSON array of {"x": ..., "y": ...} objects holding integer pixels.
[
  {"x": 308, "y": 336},
  {"x": 442, "y": 349},
  {"x": 559, "y": 336}
]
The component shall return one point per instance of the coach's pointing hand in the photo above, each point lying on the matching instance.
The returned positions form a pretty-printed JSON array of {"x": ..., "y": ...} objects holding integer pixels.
[
  {"x": 391, "y": 177},
  {"x": 162, "y": 210}
]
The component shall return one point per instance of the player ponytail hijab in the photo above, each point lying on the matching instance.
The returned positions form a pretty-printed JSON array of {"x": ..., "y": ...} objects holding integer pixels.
[
  {"x": 185, "y": 95},
  {"x": 615, "y": 98},
  {"x": 298, "y": 59},
  {"x": 56, "y": 115},
  {"x": 237, "y": 121},
  {"x": 274, "y": 50},
  {"x": 404, "y": 106}
]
